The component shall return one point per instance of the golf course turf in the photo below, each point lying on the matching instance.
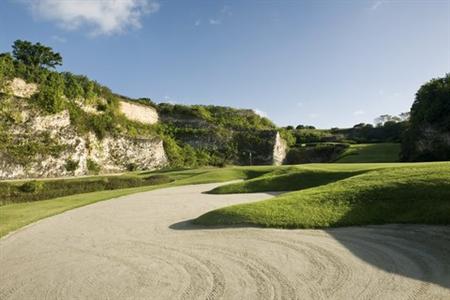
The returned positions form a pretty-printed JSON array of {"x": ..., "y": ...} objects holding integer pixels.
[
  {"x": 371, "y": 153},
  {"x": 407, "y": 193},
  {"x": 323, "y": 195}
]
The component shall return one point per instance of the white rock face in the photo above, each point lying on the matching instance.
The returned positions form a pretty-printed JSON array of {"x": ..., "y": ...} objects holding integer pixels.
[
  {"x": 112, "y": 154},
  {"x": 279, "y": 150},
  {"x": 19, "y": 88},
  {"x": 51, "y": 123},
  {"x": 139, "y": 113},
  {"x": 116, "y": 154}
]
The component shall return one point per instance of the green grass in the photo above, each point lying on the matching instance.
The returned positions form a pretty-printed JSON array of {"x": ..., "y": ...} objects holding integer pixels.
[
  {"x": 406, "y": 193},
  {"x": 371, "y": 153},
  {"x": 325, "y": 195},
  {"x": 16, "y": 215},
  {"x": 291, "y": 178},
  {"x": 296, "y": 180},
  {"x": 224, "y": 174}
]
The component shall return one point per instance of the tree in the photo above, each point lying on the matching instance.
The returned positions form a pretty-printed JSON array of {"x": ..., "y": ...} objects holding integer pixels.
[
  {"x": 432, "y": 104},
  {"x": 6, "y": 69},
  {"x": 386, "y": 118},
  {"x": 429, "y": 125},
  {"x": 404, "y": 116},
  {"x": 36, "y": 55},
  {"x": 359, "y": 125}
]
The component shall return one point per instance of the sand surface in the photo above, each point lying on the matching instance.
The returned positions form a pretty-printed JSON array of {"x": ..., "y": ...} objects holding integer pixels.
[{"x": 141, "y": 247}]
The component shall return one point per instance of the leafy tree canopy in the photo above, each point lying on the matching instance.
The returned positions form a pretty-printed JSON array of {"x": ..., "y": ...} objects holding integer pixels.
[
  {"x": 35, "y": 55},
  {"x": 381, "y": 120},
  {"x": 432, "y": 104}
]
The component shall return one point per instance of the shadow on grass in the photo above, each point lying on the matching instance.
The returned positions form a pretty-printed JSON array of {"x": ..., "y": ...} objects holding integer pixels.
[
  {"x": 286, "y": 182},
  {"x": 163, "y": 171},
  {"x": 189, "y": 225}
]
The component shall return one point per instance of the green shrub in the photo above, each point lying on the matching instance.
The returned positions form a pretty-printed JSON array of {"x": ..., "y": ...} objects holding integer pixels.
[
  {"x": 51, "y": 94},
  {"x": 92, "y": 166},
  {"x": 24, "y": 149},
  {"x": 315, "y": 153},
  {"x": 71, "y": 165},
  {"x": 132, "y": 167},
  {"x": 158, "y": 179},
  {"x": 40, "y": 190},
  {"x": 7, "y": 69},
  {"x": 31, "y": 186}
]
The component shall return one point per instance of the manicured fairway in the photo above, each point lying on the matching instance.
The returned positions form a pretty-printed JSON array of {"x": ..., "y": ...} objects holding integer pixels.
[
  {"x": 333, "y": 187},
  {"x": 371, "y": 153},
  {"x": 407, "y": 193}
]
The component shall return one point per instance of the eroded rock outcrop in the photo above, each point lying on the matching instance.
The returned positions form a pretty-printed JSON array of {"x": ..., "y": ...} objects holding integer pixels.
[
  {"x": 111, "y": 154},
  {"x": 139, "y": 113},
  {"x": 279, "y": 150},
  {"x": 38, "y": 144},
  {"x": 19, "y": 88}
]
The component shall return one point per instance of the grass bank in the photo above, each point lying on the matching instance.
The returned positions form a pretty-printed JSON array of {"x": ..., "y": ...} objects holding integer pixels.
[
  {"x": 292, "y": 178},
  {"x": 371, "y": 153},
  {"x": 406, "y": 193}
]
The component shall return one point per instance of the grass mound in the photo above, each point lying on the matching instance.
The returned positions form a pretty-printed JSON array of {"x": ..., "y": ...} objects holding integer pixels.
[
  {"x": 226, "y": 174},
  {"x": 371, "y": 153},
  {"x": 411, "y": 194},
  {"x": 297, "y": 180}
]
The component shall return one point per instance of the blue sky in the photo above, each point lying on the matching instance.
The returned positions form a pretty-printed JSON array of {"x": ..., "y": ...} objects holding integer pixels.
[{"x": 325, "y": 63}]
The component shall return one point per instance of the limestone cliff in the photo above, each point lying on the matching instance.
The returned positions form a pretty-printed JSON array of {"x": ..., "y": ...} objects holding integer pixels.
[
  {"x": 80, "y": 127},
  {"x": 139, "y": 113},
  {"x": 279, "y": 150},
  {"x": 47, "y": 145},
  {"x": 226, "y": 135}
]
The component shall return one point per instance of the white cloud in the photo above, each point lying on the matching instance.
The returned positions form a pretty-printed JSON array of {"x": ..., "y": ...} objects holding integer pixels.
[
  {"x": 100, "y": 16},
  {"x": 299, "y": 104},
  {"x": 313, "y": 116},
  {"x": 224, "y": 13},
  {"x": 261, "y": 113},
  {"x": 198, "y": 22},
  {"x": 377, "y": 4},
  {"x": 359, "y": 112},
  {"x": 215, "y": 21}
]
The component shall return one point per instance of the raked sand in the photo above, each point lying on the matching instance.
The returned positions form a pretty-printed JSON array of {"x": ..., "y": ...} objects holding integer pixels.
[{"x": 140, "y": 247}]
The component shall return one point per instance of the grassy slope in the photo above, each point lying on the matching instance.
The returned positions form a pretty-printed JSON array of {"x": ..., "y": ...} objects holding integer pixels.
[
  {"x": 410, "y": 193},
  {"x": 371, "y": 153},
  {"x": 298, "y": 177},
  {"x": 15, "y": 216}
]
